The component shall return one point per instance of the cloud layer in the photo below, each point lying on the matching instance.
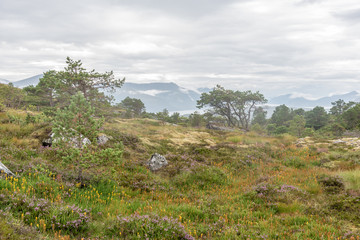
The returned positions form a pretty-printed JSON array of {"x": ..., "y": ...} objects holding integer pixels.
[{"x": 308, "y": 46}]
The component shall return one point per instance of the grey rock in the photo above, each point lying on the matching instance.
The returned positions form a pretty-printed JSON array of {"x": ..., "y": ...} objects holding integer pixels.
[
  {"x": 156, "y": 162},
  {"x": 73, "y": 141},
  {"x": 4, "y": 169},
  {"x": 102, "y": 139},
  {"x": 47, "y": 142}
]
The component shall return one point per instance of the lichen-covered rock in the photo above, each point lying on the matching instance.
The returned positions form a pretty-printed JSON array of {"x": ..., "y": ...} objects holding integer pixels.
[
  {"x": 156, "y": 162},
  {"x": 4, "y": 169},
  {"x": 102, "y": 139},
  {"x": 73, "y": 141}
]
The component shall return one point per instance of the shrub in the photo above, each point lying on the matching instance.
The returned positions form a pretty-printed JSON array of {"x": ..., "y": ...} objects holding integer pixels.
[
  {"x": 203, "y": 177},
  {"x": 295, "y": 162},
  {"x": 331, "y": 184},
  {"x": 45, "y": 215},
  {"x": 147, "y": 227},
  {"x": 2, "y": 107}
]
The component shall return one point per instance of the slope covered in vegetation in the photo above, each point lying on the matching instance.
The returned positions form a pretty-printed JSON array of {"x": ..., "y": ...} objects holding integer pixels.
[{"x": 218, "y": 185}]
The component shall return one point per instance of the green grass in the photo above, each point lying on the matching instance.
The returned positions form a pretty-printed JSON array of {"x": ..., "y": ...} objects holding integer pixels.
[
  {"x": 213, "y": 187},
  {"x": 351, "y": 178}
]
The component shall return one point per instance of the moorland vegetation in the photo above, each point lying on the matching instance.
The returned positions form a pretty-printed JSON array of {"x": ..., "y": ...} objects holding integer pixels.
[{"x": 251, "y": 181}]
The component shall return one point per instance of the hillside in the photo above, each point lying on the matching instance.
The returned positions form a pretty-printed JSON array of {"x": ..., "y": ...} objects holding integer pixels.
[{"x": 217, "y": 185}]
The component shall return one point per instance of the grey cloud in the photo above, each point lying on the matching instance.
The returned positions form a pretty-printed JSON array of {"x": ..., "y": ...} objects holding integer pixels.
[
  {"x": 352, "y": 15},
  {"x": 272, "y": 46}
]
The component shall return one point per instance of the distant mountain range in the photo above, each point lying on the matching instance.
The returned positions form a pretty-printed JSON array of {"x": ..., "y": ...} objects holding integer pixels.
[
  {"x": 28, "y": 81},
  {"x": 301, "y": 102},
  {"x": 158, "y": 96},
  {"x": 4, "y": 81}
]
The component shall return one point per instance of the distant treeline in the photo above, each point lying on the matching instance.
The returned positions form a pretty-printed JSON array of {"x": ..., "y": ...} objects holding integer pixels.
[{"x": 224, "y": 107}]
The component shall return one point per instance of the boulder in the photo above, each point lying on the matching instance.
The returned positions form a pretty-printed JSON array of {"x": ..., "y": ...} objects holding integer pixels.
[
  {"x": 156, "y": 162},
  {"x": 72, "y": 141},
  {"x": 4, "y": 169},
  {"x": 102, "y": 139}
]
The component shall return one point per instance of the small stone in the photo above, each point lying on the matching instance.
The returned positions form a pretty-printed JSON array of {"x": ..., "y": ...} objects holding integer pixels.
[{"x": 156, "y": 162}]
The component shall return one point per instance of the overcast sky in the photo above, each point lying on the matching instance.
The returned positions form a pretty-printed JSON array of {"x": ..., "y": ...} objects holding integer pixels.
[{"x": 309, "y": 47}]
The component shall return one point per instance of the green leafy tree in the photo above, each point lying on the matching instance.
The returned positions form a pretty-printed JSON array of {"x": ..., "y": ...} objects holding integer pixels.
[
  {"x": 281, "y": 115},
  {"x": 297, "y": 126},
  {"x": 76, "y": 122},
  {"x": 133, "y": 105},
  {"x": 338, "y": 107},
  {"x": 219, "y": 99},
  {"x": 76, "y": 78},
  {"x": 196, "y": 119},
  {"x": 259, "y": 116},
  {"x": 11, "y": 96},
  {"x": 235, "y": 106},
  {"x": 55, "y": 88},
  {"x": 45, "y": 93},
  {"x": 299, "y": 112},
  {"x": 245, "y": 104},
  {"x": 48, "y": 87},
  {"x": 316, "y": 118},
  {"x": 72, "y": 125},
  {"x": 163, "y": 116},
  {"x": 175, "y": 118},
  {"x": 351, "y": 117}
]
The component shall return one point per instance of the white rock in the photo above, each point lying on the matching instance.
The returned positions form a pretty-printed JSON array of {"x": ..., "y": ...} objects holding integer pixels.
[
  {"x": 4, "y": 169},
  {"x": 156, "y": 162}
]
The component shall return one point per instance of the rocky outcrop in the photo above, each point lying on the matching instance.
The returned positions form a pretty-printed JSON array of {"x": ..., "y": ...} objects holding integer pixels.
[
  {"x": 73, "y": 142},
  {"x": 4, "y": 169},
  {"x": 156, "y": 162},
  {"x": 351, "y": 143}
]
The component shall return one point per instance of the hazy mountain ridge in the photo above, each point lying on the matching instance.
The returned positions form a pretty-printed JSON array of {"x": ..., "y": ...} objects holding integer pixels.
[
  {"x": 301, "y": 102},
  {"x": 4, "y": 81},
  {"x": 156, "y": 96},
  {"x": 34, "y": 80},
  {"x": 159, "y": 95}
]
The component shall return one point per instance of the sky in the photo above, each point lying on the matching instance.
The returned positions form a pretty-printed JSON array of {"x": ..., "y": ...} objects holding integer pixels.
[{"x": 309, "y": 48}]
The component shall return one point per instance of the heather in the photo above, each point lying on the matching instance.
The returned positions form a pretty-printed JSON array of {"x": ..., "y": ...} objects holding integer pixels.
[{"x": 217, "y": 185}]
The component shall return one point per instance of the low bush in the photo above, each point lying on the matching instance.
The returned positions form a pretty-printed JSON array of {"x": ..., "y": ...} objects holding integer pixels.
[
  {"x": 147, "y": 227},
  {"x": 202, "y": 177},
  {"x": 295, "y": 162},
  {"x": 331, "y": 184}
]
